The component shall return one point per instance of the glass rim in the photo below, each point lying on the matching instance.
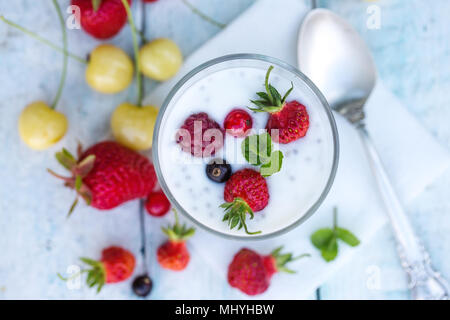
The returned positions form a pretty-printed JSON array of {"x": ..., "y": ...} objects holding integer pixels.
[{"x": 309, "y": 84}]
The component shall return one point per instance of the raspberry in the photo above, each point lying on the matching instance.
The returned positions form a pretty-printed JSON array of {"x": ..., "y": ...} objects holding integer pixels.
[{"x": 200, "y": 135}]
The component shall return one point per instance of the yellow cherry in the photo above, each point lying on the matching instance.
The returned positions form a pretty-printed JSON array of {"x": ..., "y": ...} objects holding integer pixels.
[
  {"x": 109, "y": 70},
  {"x": 160, "y": 59},
  {"x": 133, "y": 126},
  {"x": 40, "y": 126}
]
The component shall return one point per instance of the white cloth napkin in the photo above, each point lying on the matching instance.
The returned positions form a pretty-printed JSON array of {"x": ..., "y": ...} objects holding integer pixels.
[{"x": 412, "y": 157}]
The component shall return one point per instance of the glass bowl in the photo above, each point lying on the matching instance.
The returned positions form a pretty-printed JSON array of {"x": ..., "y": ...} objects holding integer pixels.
[{"x": 166, "y": 120}]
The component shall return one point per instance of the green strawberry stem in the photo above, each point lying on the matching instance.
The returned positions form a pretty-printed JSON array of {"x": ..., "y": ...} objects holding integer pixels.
[
  {"x": 178, "y": 232},
  {"x": 282, "y": 259},
  {"x": 96, "y": 274},
  {"x": 79, "y": 170},
  {"x": 65, "y": 57},
  {"x": 271, "y": 100},
  {"x": 96, "y": 4},
  {"x": 43, "y": 40},
  {"x": 236, "y": 213},
  {"x": 134, "y": 34},
  {"x": 203, "y": 16},
  {"x": 76, "y": 274},
  {"x": 266, "y": 83}
]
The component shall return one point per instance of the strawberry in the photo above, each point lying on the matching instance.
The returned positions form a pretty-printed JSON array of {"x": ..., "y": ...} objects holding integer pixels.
[
  {"x": 157, "y": 204},
  {"x": 200, "y": 135},
  {"x": 251, "y": 273},
  {"x": 245, "y": 192},
  {"x": 173, "y": 254},
  {"x": 288, "y": 121},
  {"x": 115, "y": 265},
  {"x": 107, "y": 174},
  {"x": 102, "y": 19}
]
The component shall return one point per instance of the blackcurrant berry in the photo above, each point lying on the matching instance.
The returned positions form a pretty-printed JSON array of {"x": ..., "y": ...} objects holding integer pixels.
[
  {"x": 218, "y": 170},
  {"x": 142, "y": 285}
]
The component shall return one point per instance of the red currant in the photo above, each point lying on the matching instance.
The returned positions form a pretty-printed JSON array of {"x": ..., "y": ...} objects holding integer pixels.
[
  {"x": 238, "y": 123},
  {"x": 157, "y": 204}
]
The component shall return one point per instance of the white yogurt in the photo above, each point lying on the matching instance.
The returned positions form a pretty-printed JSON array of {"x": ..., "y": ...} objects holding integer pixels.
[{"x": 307, "y": 162}]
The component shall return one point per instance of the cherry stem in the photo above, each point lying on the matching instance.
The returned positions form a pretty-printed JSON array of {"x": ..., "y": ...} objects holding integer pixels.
[
  {"x": 142, "y": 39},
  {"x": 42, "y": 40},
  {"x": 143, "y": 234},
  {"x": 142, "y": 201},
  {"x": 203, "y": 15},
  {"x": 134, "y": 33},
  {"x": 65, "y": 57}
]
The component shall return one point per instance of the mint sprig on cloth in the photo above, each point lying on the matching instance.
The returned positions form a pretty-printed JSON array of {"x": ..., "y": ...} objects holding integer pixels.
[{"x": 326, "y": 239}]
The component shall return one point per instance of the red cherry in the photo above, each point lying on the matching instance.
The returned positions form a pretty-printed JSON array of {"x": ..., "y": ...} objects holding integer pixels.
[
  {"x": 238, "y": 122},
  {"x": 157, "y": 204}
]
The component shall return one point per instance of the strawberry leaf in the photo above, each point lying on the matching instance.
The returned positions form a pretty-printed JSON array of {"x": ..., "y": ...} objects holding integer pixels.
[
  {"x": 275, "y": 95},
  {"x": 271, "y": 100},
  {"x": 266, "y": 83},
  {"x": 282, "y": 259},
  {"x": 72, "y": 207},
  {"x": 96, "y": 275},
  {"x": 235, "y": 214},
  {"x": 263, "y": 96},
  {"x": 261, "y": 104},
  {"x": 66, "y": 159},
  {"x": 283, "y": 100},
  {"x": 85, "y": 165},
  {"x": 78, "y": 183},
  {"x": 178, "y": 232}
]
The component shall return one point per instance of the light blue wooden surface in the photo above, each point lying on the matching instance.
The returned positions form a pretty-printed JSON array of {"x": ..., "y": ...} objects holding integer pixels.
[{"x": 412, "y": 54}]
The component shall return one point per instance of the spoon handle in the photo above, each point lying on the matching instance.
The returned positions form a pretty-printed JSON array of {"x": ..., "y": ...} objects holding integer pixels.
[{"x": 424, "y": 282}]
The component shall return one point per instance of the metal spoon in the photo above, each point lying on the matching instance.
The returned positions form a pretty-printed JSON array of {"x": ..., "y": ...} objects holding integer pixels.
[{"x": 333, "y": 55}]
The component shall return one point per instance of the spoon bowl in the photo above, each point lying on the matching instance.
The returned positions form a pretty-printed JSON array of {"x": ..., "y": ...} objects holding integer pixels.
[{"x": 333, "y": 55}]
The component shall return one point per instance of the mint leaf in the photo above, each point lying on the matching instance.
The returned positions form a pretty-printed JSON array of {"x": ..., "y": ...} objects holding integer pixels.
[
  {"x": 274, "y": 165},
  {"x": 257, "y": 148},
  {"x": 265, "y": 146},
  {"x": 321, "y": 238},
  {"x": 249, "y": 149},
  {"x": 330, "y": 252},
  {"x": 348, "y": 237}
]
